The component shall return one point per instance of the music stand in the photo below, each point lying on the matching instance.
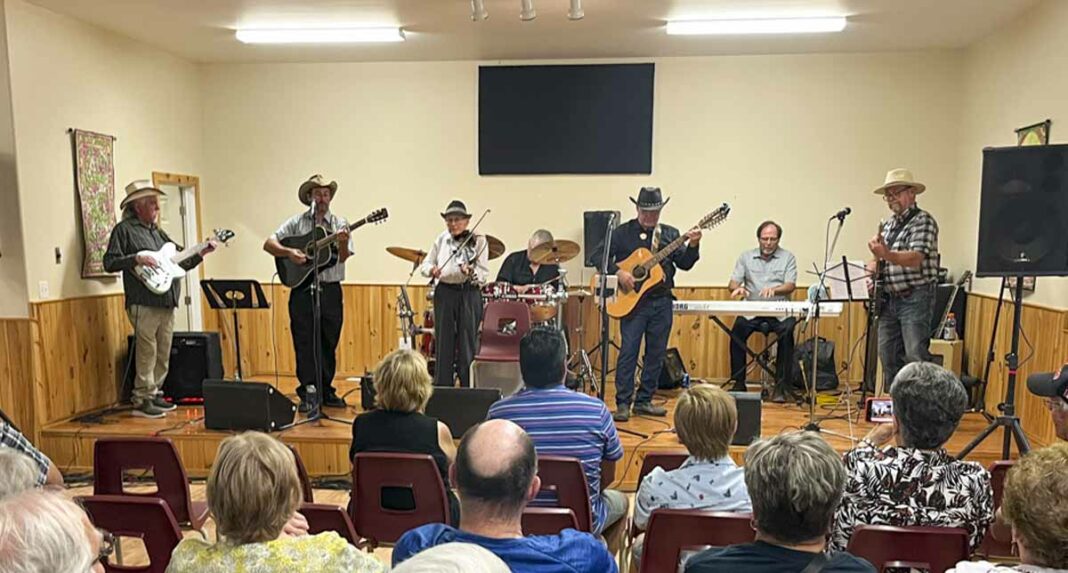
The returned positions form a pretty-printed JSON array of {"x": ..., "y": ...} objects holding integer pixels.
[{"x": 232, "y": 295}]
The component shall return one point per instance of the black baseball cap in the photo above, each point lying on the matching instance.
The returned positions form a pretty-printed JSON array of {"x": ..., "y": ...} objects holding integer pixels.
[{"x": 1049, "y": 384}]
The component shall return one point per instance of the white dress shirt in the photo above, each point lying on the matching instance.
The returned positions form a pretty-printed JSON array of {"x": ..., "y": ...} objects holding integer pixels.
[{"x": 474, "y": 253}]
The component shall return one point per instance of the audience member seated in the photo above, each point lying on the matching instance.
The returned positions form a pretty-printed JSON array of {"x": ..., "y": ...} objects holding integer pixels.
[
  {"x": 706, "y": 418},
  {"x": 917, "y": 482},
  {"x": 398, "y": 424},
  {"x": 44, "y": 532},
  {"x": 1036, "y": 506},
  {"x": 253, "y": 493},
  {"x": 18, "y": 472},
  {"x": 10, "y": 437},
  {"x": 454, "y": 558},
  {"x": 795, "y": 481},
  {"x": 563, "y": 422},
  {"x": 1053, "y": 388},
  {"x": 496, "y": 474}
]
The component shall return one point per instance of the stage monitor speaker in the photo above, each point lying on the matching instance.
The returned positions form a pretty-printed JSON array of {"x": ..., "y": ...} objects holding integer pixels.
[
  {"x": 367, "y": 392},
  {"x": 195, "y": 356},
  {"x": 594, "y": 227},
  {"x": 673, "y": 373},
  {"x": 1023, "y": 212},
  {"x": 748, "y": 417},
  {"x": 236, "y": 405}
]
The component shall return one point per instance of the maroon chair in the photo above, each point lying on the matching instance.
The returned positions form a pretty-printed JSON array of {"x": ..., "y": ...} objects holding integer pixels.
[
  {"x": 411, "y": 476},
  {"x": 325, "y": 517},
  {"x": 668, "y": 461},
  {"x": 563, "y": 484},
  {"x": 931, "y": 548},
  {"x": 305, "y": 482},
  {"x": 548, "y": 520},
  {"x": 998, "y": 539},
  {"x": 113, "y": 456},
  {"x": 148, "y": 519},
  {"x": 500, "y": 346},
  {"x": 672, "y": 530}
]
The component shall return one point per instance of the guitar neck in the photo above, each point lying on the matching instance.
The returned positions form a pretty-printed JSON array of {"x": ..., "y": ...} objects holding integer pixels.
[
  {"x": 333, "y": 236},
  {"x": 665, "y": 252},
  {"x": 190, "y": 252}
]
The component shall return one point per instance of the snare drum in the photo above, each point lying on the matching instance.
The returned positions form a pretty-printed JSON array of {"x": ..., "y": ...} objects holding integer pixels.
[
  {"x": 542, "y": 303},
  {"x": 498, "y": 291}
]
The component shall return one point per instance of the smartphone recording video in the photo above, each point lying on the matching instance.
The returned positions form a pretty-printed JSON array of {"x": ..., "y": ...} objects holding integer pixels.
[{"x": 879, "y": 410}]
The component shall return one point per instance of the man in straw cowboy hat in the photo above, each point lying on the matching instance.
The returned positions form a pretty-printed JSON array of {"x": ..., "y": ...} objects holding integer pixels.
[
  {"x": 317, "y": 194},
  {"x": 908, "y": 244},
  {"x": 151, "y": 314}
]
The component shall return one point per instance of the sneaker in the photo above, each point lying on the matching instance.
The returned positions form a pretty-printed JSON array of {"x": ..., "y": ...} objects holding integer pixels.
[
  {"x": 304, "y": 407},
  {"x": 335, "y": 401},
  {"x": 147, "y": 410},
  {"x": 622, "y": 414},
  {"x": 778, "y": 396},
  {"x": 162, "y": 404},
  {"x": 649, "y": 409},
  {"x": 737, "y": 386}
]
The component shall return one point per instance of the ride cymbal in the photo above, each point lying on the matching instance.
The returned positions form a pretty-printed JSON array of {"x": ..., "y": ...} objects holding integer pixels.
[
  {"x": 554, "y": 252},
  {"x": 411, "y": 255}
]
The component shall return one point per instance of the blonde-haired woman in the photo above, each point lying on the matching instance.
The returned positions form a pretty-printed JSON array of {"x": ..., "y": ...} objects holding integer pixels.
[
  {"x": 253, "y": 491},
  {"x": 397, "y": 424}
]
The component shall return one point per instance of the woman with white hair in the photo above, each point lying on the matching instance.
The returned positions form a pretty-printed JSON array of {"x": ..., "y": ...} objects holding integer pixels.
[
  {"x": 18, "y": 472},
  {"x": 253, "y": 490},
  {"x": 44, "y": 532},
  {"x": 453, "y": 557}
]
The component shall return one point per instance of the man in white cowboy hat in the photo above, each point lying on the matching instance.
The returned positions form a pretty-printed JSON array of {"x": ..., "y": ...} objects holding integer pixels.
[
  {"x": 651, "y": 318},
  {"x": 317, "y": 194},
  {"x": 151, "y": 314},
  {"x": 908, "y": 245}
]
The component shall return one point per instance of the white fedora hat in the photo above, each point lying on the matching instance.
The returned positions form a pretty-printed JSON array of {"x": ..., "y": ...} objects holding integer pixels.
[
  {"x": 138, "y": 189},
  {"x": 897, "y": 177}
]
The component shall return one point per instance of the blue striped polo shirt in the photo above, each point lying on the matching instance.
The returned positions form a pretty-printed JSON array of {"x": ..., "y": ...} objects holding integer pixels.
[{"x": 562, "y": 422}]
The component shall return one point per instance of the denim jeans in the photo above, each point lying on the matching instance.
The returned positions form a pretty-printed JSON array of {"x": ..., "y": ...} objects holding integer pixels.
[
  {"x": 905, "y": 331},
  {"x": 651, "y": 320}
]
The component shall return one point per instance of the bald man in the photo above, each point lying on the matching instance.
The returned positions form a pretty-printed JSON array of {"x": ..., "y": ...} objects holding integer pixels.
[{"x": 496, "y": 474}]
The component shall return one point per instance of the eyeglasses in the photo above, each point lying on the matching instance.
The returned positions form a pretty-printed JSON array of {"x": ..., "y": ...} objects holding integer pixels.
[
  {"x": 107, "y": 545},
  {"x": 891, "y": 194}
]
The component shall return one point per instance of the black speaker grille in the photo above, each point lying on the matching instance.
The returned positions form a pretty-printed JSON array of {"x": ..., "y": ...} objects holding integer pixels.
[{"x": 594, "y": 227}]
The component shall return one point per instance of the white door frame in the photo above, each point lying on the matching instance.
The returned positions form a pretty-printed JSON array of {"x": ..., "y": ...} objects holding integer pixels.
[{"x": 189, "y": 195}]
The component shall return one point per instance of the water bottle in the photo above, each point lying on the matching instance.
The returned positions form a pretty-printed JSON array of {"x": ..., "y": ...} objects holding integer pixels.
[
  {"x": 686, "y": 380},
  {"x": 950, "y": 332},
  {"x": 311, "y": 396}
]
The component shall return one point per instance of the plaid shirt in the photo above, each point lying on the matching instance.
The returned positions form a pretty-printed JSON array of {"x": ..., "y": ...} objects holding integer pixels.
[
  {"x": 920, "y": 234},
  {"x": 12, "y": 438}
]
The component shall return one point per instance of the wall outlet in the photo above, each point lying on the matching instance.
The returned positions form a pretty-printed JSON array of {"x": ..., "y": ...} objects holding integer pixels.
[{"x": 42, "y": 289}]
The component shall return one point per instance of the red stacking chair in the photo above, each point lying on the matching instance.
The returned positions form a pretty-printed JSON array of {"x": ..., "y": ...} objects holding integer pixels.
[
  {"x": 374, "y": 473},
  {"x": 113, "y": 456},
  {"x": 325, "y": 517},
  {"x": 548, "y": 520},
  {"x": 148, "y": 519},
  {"x": 497, "y": 346},
  {"x": 562, "y": 478},
  {"x": 998, "y": 539},
  {"x": 671, "y": 530},
  {"x": 305, "y": 482},
  {"x": 666, "y": 460},
  {"x": 930, "y": 548}
]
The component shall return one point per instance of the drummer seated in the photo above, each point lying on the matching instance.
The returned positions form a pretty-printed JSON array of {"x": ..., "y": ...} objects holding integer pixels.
[{"x": 522, "y": 272}]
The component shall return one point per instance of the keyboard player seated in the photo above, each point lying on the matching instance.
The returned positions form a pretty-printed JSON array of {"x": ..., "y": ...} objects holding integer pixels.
[{"x": 767, "y": 272}]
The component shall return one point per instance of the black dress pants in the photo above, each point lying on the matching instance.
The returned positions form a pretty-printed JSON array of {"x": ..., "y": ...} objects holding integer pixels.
[
  {"x": 457, "y": 314},
  {"x": 301, "y": 323},
  {"x": 784, "y": 350}
]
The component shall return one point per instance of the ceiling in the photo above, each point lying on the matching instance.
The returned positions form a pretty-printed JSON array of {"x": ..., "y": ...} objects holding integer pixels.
[{"x": 202, "y": 30}]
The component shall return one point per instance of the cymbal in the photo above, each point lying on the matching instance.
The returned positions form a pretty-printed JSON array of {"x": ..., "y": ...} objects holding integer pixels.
[
  {"x": 496, "y": 247},
  {"x": 554, "y": 252},
  {"x": 578, "y": 292},
  {"x": 411, "y": 255}
]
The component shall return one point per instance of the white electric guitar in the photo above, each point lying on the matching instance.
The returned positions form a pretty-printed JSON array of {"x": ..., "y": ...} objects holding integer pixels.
[{"x": 159, "y": 278}]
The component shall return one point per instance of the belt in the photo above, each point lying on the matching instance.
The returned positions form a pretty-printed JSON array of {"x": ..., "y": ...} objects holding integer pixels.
[{"x": 460, "y": 286}]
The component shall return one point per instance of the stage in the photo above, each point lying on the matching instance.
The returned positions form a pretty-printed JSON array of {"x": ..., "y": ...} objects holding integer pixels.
[{"x": 324, "y": 445}]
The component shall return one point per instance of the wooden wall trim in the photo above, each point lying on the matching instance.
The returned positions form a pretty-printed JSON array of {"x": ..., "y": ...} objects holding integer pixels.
[{"x": 18, "y": 378}]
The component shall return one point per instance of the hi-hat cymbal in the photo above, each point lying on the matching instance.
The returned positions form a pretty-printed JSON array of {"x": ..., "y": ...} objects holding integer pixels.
[
  {"x": 411, "y": 255},
  {"x": 496, "y": 247},
  {"x": 554, "y": 252}
]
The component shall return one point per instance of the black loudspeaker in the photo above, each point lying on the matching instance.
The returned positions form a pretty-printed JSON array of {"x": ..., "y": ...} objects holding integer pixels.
[
  {"x": 195, "y": 356},
  {"x": 673, "y": 372},
  {"x": 594, "y": 227},
  {"x": 367, "y": 392},
  {"x": 1023, "y": 212},
  {"x": 246, "y": 406},
  {"x": 748, "y": 417}
]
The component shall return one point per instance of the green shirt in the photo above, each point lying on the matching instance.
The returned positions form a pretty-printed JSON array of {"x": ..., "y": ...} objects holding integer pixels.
[{"x": 323, "y": 553}]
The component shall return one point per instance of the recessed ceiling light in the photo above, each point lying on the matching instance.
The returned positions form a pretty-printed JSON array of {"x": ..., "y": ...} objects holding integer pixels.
[
  {"x": 759, "y": 26},
  {"x": 319, "y": 35}
]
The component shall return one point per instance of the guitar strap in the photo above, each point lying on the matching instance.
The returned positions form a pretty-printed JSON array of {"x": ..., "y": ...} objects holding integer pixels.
[
  {"x": 896, "y": 232},
  {"x": 656, "y": 239}
]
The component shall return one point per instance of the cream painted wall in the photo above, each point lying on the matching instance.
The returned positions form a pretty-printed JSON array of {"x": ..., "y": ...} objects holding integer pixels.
[
  {"x": 68, "y": 74},
  {"x": 13, "y": 297},
  {"x": 1015, "y": 77},
  {"x": 793, "y": 138}
]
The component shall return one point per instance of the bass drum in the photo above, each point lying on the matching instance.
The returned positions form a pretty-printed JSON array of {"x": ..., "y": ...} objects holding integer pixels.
[
  {"x": 499, "y": 290},
  {"x": 427, "y": 346}
]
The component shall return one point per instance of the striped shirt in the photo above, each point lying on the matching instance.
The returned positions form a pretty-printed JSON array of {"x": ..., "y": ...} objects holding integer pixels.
[
  {"x": 10, "y": 437},
  {"x": 920, "y": 234},
  {"x": 304, "y": 223},
  {"x": 562, "y": 422}
]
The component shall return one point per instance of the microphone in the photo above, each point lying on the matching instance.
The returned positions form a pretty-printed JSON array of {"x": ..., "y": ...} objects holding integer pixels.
[{"x": 841, "y": 215}]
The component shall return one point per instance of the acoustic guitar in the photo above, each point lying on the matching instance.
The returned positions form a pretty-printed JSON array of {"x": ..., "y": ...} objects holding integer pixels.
[
  {"x": 159, "y": 278},
  {"x": 320, "y": 249},
  {"x": 645, "y": 266}
]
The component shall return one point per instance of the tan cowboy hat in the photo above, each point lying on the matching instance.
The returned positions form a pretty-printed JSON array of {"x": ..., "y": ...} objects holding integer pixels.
[
  {"x": 314, "y": 182},
  {"x": 896, "y": 177},
  {"x": 138, "y": 189}
]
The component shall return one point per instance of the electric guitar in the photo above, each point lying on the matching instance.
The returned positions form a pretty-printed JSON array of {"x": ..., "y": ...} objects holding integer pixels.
[
  {"x": 876, "y": 305},
  {"x": 159, "y": 278},
  {"x": 645, "y": 266},
  {"x": 319, "y": 248}
]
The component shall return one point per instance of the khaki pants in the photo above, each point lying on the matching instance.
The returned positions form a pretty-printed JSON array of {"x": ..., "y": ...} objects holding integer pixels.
[{"x": 153, "y": 330}]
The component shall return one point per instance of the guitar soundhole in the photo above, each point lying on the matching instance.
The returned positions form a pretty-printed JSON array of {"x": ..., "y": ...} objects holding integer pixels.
[{"x": 639, "y": 273}]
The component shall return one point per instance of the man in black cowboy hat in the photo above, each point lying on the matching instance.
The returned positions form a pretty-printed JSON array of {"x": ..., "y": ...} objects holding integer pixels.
[
  {"x": 317, "y": 194},
  {"x": 458, "y": 264},
  {"x": 651, "y": 318}
]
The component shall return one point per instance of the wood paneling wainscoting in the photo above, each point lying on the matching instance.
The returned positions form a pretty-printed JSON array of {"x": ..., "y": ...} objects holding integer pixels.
[{"x": 19, "y": 373}]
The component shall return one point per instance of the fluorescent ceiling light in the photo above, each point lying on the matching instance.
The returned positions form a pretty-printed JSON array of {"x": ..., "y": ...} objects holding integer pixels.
[
  {"x": 320, "y": 35},
  {"x": 762, "y": 26}
]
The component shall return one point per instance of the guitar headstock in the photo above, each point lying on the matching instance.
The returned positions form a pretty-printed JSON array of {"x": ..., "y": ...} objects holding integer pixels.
[
  {"x": 715, "y": 217},
  {"x": 377, "y": 216},
  {"x": 965, "y": 277},
  {"x": 223, "y": 235}
]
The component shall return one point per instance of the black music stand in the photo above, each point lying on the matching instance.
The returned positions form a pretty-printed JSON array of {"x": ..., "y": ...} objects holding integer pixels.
[{"x": 234, "y": 295}]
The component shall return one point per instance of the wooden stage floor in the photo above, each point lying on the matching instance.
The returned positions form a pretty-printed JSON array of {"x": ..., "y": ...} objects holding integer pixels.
[{"x": 324, "y": 445}]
